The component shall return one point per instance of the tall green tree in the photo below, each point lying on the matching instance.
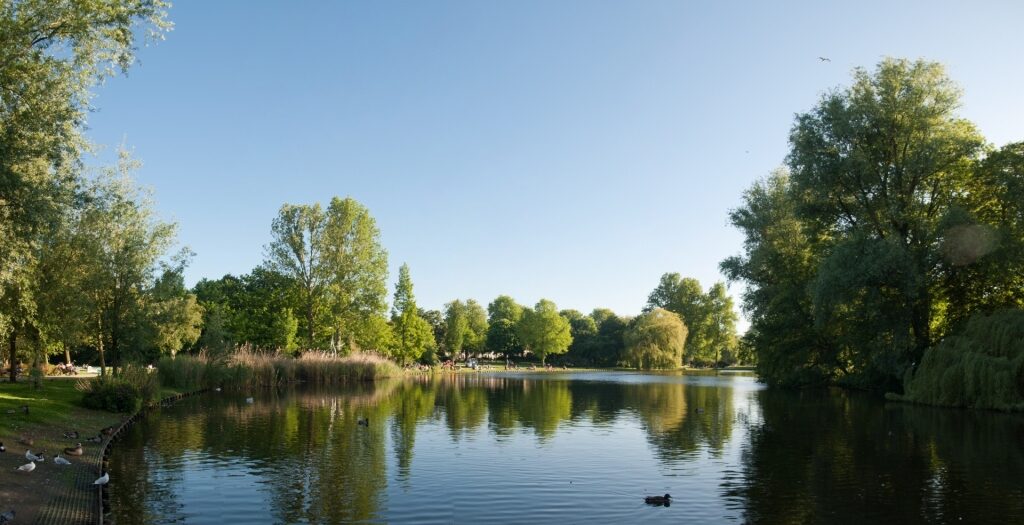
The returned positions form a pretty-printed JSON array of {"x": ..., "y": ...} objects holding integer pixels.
[
  {"x": 721, "y": 326},
  {"x": 356, "y": 269},
  {"x": 456, "y": 328},
  {"x": 503, "y": 316},
  {"x": 476, "y": 321},
  {"x": 413, "y": 335},
  {"x": 297, "y": 252},
  {"x": 51, "y": 55},
  {"x": 122, "y": 241},
  {"x": 543, "y": 331},
  {"x": 655, "y": 340}
]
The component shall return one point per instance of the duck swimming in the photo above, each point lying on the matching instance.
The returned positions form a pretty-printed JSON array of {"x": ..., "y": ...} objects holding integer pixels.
[
  {"x": 665, "y": 500},
  {"x": 74, "y": 451}
]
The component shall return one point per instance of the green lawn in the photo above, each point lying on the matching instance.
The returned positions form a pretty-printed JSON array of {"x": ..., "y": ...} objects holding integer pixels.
[{"x": 52, "y": 410}]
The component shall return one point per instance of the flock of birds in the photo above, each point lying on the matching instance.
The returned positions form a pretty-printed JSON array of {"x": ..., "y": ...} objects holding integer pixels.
[{"x": 34, "y": 459}]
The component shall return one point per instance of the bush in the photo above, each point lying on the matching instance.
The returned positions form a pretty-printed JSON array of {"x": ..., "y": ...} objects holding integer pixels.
[
  {"x": 114, "y": 395},
  {"x": 133, "y": 387}
]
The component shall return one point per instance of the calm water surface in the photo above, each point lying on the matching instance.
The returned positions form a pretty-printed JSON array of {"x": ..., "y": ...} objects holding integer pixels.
[{"x": 573, "y": 448}]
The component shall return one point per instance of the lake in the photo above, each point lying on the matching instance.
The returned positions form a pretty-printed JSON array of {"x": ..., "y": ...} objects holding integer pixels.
[{"x": 566, "y": 448}]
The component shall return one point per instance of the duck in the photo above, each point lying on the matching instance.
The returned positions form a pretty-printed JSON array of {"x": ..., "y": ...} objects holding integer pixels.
[
  {"x": 665, "y": 500},
  {"x": 61, "y": 461},
  {"x": 102, "y": 480},
  {"x": 32, "y": 457},
  {"x": 97, "y": 439},
  {"x": 27, "y": 440},
  {"x": 71, "y": 435},
  {"x": 74, "y": 451},
  {"x": 27, "y": 467},
  {"x": 108, "y": 431},
  {"x": 363, "y": 421}
]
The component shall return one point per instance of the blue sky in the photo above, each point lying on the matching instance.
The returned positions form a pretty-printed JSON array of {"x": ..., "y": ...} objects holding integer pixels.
[{"x": 567, "y": 150}]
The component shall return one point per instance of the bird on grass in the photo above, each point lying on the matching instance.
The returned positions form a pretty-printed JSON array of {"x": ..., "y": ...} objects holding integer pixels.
[
  {"x": 665, "y": 500},
  {"x": 32, "y": 457},
  {"x": 27, "y": 467},
  {"x": 249, "y": 400},
  {"x": 2, "y": 447},
  {"x": 61, "y": 461},
  {"x": 97, "y": 439},
  {"x": 108, "y": 431},
  {"x": 102, "y": 480},
  {"x": 7, "y": 516},
  {"x": 74, "y": 451},
  {"x": 71, "y": 435},
  {"x": 27, "y": 440}
]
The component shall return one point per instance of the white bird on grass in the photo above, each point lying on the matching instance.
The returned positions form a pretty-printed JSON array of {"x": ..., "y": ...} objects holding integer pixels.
[
  {"x": 32, "y": 457},
  {"x": 102, "y": 480},
  {"x": 28, "y": 467},
  {"x": 61, "y": 461}
]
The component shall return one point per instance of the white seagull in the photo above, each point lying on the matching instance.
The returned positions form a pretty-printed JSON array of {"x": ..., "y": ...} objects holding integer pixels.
[
  {"x": 102, "y": 480},
  {"x": 61, "y": 461},
  {"x": 28, "y": 467},
  {"x": 32, "y": 457}
]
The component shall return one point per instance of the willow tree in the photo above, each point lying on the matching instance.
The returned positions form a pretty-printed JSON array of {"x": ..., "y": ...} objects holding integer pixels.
[
  {"x": 878, "y": 166},
  {"x": 543, "y": 331},
  {"x": 655, "y": 339}
]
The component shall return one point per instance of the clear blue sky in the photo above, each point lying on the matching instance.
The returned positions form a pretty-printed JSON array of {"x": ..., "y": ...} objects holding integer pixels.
[{"x": 568, "y": 150}]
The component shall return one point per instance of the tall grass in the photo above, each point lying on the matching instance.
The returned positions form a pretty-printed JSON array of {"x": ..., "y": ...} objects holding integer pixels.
[
  {"x": 247, "y": 368},
  {"x": 982, "y": 366}
]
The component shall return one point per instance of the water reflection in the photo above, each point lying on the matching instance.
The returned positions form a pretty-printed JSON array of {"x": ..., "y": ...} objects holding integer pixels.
[{"x": 511, "y": 448}]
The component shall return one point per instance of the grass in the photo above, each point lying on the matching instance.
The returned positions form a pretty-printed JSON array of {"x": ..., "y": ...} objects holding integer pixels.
[
  {"x": 250, "y": 369},
  {"x": 53, "y": 409}
]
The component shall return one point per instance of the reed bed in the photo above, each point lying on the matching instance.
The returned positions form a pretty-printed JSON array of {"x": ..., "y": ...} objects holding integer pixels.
[{"x": 248, "y": 368}]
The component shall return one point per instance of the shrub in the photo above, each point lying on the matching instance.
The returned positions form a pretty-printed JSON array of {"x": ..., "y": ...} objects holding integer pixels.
[{"x": 112, "y": 394}]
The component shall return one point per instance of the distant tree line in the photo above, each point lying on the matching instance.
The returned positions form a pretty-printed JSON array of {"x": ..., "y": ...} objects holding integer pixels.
[{"x": 892, "y": 223}]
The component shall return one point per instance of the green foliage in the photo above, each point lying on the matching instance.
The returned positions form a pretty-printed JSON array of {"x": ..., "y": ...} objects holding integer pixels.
[
  {"x": 476, "y": 323},
  {"x": 456, "y": 328},
  {"x": 132, "y": 388},
  {"x": 893, "y": 227},
  {"x": 503, "y": 316},
  {"x": 543, "y": 331},
  {"x": 339, "y": 268},
  {"x": 710, "y": 318},
  {"x": 980, "y": 366},
  {"x": 655, "y": 339},
  {"x": 413, "y": 335}
]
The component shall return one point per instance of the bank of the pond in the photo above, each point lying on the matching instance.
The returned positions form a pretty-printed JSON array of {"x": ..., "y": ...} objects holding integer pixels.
[{"x": 52, "y": 494}]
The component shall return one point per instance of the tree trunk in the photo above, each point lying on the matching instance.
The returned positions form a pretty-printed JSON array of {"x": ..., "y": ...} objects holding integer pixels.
[
  {"x": 67, "y": 355},
  {"x": 13, "y": 341},
  {"x": 99, "y": 347}
]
